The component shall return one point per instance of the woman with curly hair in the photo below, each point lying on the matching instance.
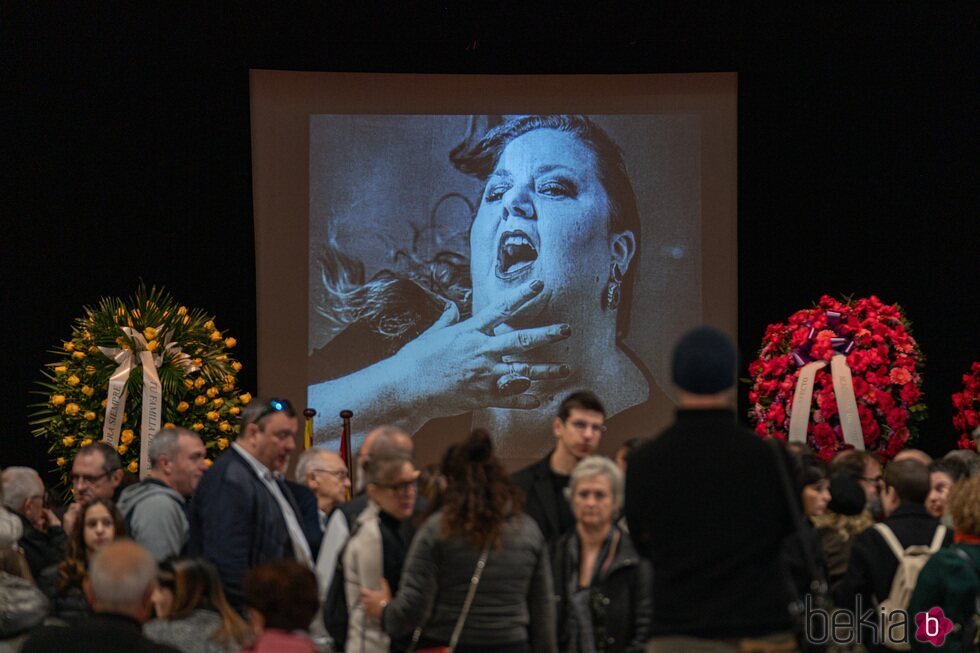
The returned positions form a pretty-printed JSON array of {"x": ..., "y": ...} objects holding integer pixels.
[
  {"x": 477, "y": 575},
  {"x": 98, "y": 523}
]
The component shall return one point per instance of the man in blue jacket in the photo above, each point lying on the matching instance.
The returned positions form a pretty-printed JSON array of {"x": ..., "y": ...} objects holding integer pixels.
[{"x": 242, "y": 515}]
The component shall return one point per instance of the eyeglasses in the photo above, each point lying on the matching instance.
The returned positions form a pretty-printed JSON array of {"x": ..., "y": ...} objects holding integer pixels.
[
  {"x": 90, "y": 480},
  {"x": 582, "y": 425},
  {"x": 275, "y": 406},
  {"x": 404, "y": 486},
  {"x": 339, "y": 474}
]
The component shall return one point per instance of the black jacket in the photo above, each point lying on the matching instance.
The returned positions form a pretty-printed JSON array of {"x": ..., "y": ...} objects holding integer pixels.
[
  {"x": 873, "y": 565},
  {"x": 42, "y": 548},
  {"x": 705, "y": 503},
  {"x": 624, "y": 591},
  {"x": 545, "y": 503},
  {"x": 103, "y": 633}
]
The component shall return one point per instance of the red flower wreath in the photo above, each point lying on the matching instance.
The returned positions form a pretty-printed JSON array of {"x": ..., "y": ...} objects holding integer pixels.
[
  {"x": 966, "y": 408},
  {"x": 885, "y": 364}
]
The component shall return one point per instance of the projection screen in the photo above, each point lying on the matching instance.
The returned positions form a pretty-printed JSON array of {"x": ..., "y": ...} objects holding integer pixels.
[{"x": 427, "y": 263}]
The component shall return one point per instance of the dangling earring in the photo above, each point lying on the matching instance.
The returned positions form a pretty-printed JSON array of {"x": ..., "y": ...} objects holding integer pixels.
[{"x": 612, "y": 297}]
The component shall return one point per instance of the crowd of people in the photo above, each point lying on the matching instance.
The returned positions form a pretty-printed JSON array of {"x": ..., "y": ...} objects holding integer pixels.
[{"x": 702, "y": 539}]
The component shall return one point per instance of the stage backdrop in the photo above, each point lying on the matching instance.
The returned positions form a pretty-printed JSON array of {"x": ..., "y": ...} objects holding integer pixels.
[{"x": 417, "y": 272}]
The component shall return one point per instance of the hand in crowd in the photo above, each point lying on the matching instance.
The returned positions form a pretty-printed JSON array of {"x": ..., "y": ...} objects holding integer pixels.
[
  {"x": 71, "y": 515},
  {"x": 375, "y": 600}
]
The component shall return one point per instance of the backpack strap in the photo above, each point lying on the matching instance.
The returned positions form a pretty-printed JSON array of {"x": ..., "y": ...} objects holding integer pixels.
[
  {"x": 937, "y": 539},
  {"x": 889, "y": 536}
]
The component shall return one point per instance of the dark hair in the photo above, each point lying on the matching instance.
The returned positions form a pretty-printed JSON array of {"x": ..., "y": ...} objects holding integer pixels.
[
  {"x": 631, "y": 444},
  {"x": 284, "y": 592},
  {"x": 481, "y": 158},
  {"x": 851, "y": 462},
  {"x": 110, "y": 457},
  {"x": 197, "y": 586},
  {"x": 479, "y": 496},
  {"x": 910, "y": 478},
  {"x": 583, "y": 400},
  {"x": 74, "y": 567},
  {"x": 809, "y": 469},
  {"x": 952, "y": 467},
  {"x": 260, "y": 408}
]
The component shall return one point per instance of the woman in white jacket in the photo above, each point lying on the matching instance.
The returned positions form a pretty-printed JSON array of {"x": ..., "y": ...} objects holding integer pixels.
[{"x": 376, "y": 550}]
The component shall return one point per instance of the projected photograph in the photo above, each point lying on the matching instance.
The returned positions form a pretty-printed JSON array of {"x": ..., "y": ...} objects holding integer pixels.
[{"x": 471, "y": 271}]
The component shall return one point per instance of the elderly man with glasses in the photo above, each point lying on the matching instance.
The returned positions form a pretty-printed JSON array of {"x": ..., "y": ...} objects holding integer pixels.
[
  {"x": 578, "y": 429},
  {"x": 243, "y": 515}
]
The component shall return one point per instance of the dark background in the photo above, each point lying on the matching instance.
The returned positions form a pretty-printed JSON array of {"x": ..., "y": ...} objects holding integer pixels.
[{"x": 126, "y": 150}]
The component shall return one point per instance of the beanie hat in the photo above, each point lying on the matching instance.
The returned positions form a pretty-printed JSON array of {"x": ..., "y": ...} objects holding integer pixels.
[{"x": 704, "y": 361}]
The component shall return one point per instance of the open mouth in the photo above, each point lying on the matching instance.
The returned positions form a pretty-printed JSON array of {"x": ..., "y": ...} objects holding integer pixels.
[{"x": 515, "y": 254}]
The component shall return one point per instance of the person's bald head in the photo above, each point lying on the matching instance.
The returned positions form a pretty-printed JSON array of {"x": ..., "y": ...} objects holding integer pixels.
[
  {"x": 913, "y": 454},
  {"x": 385, "y": 438},
  {"x": 325, "y": 473},
  {"x": 121, "y": 578}
]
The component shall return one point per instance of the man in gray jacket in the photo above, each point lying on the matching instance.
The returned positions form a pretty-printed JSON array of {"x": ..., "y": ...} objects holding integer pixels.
[{"x": 155, "y": 508}]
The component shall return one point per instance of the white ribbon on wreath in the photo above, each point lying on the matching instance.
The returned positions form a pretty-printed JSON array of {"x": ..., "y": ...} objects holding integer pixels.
[
  {"x": 127, "y": 360},
  {"x": 844, "y": 393}
]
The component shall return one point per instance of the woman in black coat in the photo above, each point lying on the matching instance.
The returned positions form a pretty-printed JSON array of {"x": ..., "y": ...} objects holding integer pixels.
[{"x": 602, "y": 584}]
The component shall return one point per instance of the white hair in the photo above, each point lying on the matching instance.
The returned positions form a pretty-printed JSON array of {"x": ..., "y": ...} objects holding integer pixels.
[
  {"x": 592, "y": 466},
  {"x": 19, "y": 485},
  {"x": 121, "y": 574},
  {"x": 166, "y": 443},
  {"x": 306, "y": 459}
]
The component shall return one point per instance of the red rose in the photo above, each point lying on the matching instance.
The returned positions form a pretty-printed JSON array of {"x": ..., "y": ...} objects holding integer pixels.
[
  {"x": 965, "y": 442},
  {"x": 777, "y": 414},
  {"x": 910, "y": 393},
  {"x": 895, "y": 418},
  {"x": 823, "y": 435}
]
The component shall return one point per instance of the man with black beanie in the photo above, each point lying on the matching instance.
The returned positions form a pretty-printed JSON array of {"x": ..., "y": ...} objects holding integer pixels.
[{"x": 704, "y": 502}]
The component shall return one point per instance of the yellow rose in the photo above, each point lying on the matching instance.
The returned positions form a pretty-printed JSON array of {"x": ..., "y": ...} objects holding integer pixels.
[
  {"x": 229, "y": 378},
  {"x": 209, "y": 325},
  {"x": 127, "y": 436},
  {"x": 87, "y": 442},
  {"x": 208, "y": 462},
  {"x": 199, "y": 383},
  {"x": 236, "y": 366},
  {"x": 68, "y": 440},
  {"x": 60, "y": 462},
  {"x": 222, "y": 357},
  {"x": 90, "y": 369},
  {"x": 222, "y": 443},
  {"x": 245, "y": 398},
  {"x": 78, "y": 355},
  {"x": 125, "y": 417},
  {"x": 228, "y": 387},
  {"x": 230, "y": 342},
  {"x": 88, "y": 391},
  {"x": 61, "y": 369},
  {"x": 150, "y": 333},
  {"x": 224, "y": 427},
  {"x": 217, "y": 402},
  {"x": 169, "y": 425},
  {"x": 187, "y": 319},
  {"x": 213, "y": 416},
  {"x": 57, "y": 400},
  {"x": 90, "y": 415},
  {"x": 215, "y": 336},
  {"x": 182, "y": 407},
  {"x": 69, "y": 346},
  {"x": 105, "y": 402},
  {"x": 188, "y": 384},
  {"x": 212, "y": 392},
  {"x": 234, "y": 410},
  {"x": 72, "y": 380},
  {"x": 152, "y": 345},
  {"x": 182, "y": 310},
  {"x": 197, "y": 426},
  {"x": 200, "y": 400},
  {"x": 133, "y": 467},
  {"x": 93, "y": 349},
  {"x": 122, "y": 449},
  {"x": 72, "y": 409},
  {"x": 198, "y": 362}
]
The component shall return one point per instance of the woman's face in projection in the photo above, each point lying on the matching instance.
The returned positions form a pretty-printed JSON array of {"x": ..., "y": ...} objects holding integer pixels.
[{"x": 544, "y": 215}]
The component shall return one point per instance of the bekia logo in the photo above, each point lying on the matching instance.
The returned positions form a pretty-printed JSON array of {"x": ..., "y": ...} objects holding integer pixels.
[{"x": 932, "y": 626}]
